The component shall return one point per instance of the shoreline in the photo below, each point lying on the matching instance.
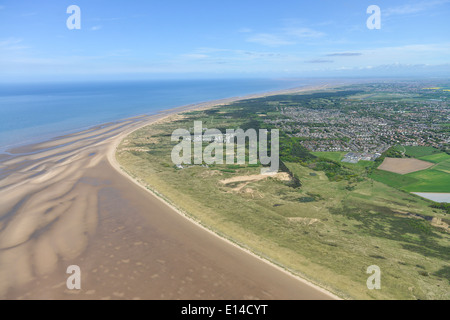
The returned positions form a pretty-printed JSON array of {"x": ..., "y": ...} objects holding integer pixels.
[
  {"x": 53, "y": 210},
  {"x": 10, "y": 149},
  {"x": 116, "y": 165}
]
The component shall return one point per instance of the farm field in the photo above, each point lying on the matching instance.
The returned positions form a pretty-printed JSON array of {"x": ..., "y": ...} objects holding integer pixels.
[
  {"x": 435, "y": 178},
  {"x": 429, "y": 173},
  {"x": 432, "y": 180},
  {"x": 404, "y": 166},
  {"x": 418, "y": 151},
  {"x": 436, "y": 158}
]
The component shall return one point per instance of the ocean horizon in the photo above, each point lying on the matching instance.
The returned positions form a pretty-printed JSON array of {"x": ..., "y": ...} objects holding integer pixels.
[{"x": 31, "y": 113}]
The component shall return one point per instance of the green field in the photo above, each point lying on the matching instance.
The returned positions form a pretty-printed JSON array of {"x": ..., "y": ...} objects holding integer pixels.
[
  {"x": 429, "y": 181},
  {"x": 433, "y": 179},
  {"x": 436, "y": 158},
  {"x": 393, "y": 179},
  {"x": 443, "y": 166},
  {"x": 335, "y": 156},
  {"x": 327, "y": 232},
  {"x": 418, "y": 151}
]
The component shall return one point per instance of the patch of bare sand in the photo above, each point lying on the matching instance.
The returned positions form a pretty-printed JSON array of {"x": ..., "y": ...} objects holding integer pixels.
[
  {"x": 404, "y": 166},
  {"x": 243, "y": 181},
  {"x": 305, "y": 221},
  {"x": 256, "y": 177},
  {"x": 437, "y": 222}
]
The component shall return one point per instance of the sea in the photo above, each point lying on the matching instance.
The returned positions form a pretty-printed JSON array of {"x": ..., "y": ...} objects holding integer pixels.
[{"x": 37, "y": 112}]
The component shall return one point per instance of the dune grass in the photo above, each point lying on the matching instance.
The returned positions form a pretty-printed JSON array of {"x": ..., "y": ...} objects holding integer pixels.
[{"x": 330, "y": 239}]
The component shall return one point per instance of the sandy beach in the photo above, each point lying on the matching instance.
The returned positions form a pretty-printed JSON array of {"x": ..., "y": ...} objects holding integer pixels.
[{"x": 67, "y": 202}]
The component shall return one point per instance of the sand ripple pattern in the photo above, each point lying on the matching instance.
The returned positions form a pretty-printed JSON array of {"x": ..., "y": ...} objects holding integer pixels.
[{"x": 48, "y": 206}]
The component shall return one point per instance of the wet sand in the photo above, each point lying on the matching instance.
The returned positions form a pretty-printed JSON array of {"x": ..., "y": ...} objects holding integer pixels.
[{"x": 65, "y": 202}]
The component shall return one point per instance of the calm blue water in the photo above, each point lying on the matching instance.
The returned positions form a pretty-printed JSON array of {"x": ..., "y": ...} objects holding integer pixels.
[{"x": 36, "y": 112}]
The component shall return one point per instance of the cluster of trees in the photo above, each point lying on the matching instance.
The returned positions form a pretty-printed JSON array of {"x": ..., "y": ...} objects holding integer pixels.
[
  {"x": 333, "y": 170},
  {"x": 292, "y": 151},
  {"x": 446, "y": 148},
  {"x": 295, "y": 181},
  {"x": 392, "y": 152}
]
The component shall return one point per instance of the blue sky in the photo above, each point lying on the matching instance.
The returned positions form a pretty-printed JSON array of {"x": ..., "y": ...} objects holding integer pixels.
[{"x": 246, "y": 38}]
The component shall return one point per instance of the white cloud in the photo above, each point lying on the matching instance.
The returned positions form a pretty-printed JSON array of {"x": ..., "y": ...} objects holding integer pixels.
[
  {"x": 210, "y": 50},
  {"x": 96, "y": 28},
  {"x": 433, "y": 54},
  {"x": 195, "y": 56},
  {"x": 413, "y": 8},
  {"x": 270, "y": 40},
  {"x": 108, "y": 19},
  {"x": 11, "y": 44},
  {"x": 28, "y": 14},
  {"x": 319, "y": 61},
  {"x": 245, "y": 30},
  {"x": 344, "y": 54},
  {"x": 304, "y": 33},
  {"x": 285, "y": 36}
]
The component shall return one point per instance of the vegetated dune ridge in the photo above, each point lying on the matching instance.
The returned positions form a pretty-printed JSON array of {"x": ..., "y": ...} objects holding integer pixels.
[{"x": 63, "y": 202}]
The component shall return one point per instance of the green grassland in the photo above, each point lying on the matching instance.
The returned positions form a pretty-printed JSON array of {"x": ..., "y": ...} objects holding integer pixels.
[
  {"x": 392, "y": 179},
  {"x": 433, "y": 179},
  {"x": 436, "y": 158},
  {"x": 385, "y": 96},
  {"x": 335, "y": 156},
  {"x": 418, "y": 151},
  {"x": 430, "y": 180},
  {"x": 443, "y": 166},
  {"x": 328, "y": 230}
]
